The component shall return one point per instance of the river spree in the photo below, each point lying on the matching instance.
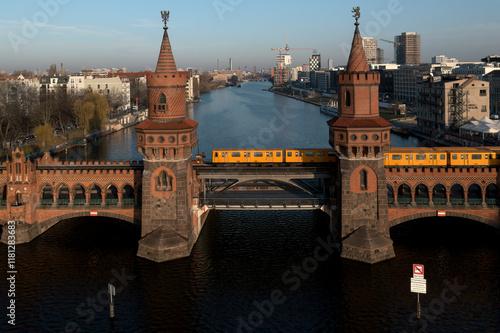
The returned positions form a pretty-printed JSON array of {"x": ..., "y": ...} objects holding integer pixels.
[{"x": 253, "y": 271}]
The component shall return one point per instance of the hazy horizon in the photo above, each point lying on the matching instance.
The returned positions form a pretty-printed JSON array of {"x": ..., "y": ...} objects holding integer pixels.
[{"x": 95, "y": 34}]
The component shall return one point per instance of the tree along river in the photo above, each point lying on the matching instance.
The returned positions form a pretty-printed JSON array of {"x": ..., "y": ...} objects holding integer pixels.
[{"x": 252, "y": 271}]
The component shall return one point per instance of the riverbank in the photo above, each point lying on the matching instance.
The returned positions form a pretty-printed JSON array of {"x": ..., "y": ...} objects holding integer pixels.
[
  {"x": 115, "y": 124},
  {"x": 294, "y": 97}
]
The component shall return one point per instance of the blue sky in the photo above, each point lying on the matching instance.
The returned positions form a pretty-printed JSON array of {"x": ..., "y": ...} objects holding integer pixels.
[{"x": 87, "y": 34}]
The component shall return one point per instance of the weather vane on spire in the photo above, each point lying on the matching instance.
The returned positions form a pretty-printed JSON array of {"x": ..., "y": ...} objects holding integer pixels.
[
  {"x": 165, "y": 15},
  {"x": 356, "y": 15}
]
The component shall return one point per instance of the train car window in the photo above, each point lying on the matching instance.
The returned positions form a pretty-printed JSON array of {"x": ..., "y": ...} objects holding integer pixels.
[
  {"x": 320, "y": 153},
  {"x": 461, "y": 156},
  {"x": 296, "y": 154},
  {"x": 406, "y": 156},
  {"x": 476, "y": 156},
  {"x": 421, "y": 157},
  {"x": 435, "y": 157},
  {"x": 454, "y": 156},
  {"x": 430, "y": 157},
  {"x": 442, "y": 156},
  {"x": 216, "y": 154},
  {"x": 397, "y": 157},
  {"x": 271, "y": 154},
  {"x": 289, "y": 153},
  {"x": 331, "y": 153},
  {"x": 466, "y": 156},
  {"x": 278, "y": 154},
  {"x": 486, "y": 156},
  {"x": 258, "y": 154},
  {"x": 309, "y": 153},
  {"x": 267, "y": 154},
  {"x": 235, "y": 154},
  {"x": 244, "y": 154}
]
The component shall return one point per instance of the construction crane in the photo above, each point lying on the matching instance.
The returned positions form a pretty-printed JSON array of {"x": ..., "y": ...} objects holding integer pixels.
[
  {"x": 396, "y": 44},
  {"x": 287, "y": 49}
]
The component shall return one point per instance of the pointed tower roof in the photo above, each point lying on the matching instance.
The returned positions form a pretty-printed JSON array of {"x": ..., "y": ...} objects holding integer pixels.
[
  {"x": 166, "y": 62},
  {"x": 357, "y": 59}
]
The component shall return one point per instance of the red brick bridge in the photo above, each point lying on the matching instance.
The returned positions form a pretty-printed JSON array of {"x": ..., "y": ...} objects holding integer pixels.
[
  {"x": 467, "y": 192},
  {"x": 162, "y": 192},
  {"x": 41, "y": 193}
]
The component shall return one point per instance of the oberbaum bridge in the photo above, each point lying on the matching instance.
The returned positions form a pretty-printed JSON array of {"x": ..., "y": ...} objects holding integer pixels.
[{"x": 165, "y": 193}]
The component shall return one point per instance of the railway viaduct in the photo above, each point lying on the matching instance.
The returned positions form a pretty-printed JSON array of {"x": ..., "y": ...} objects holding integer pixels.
[{"x": 162, "y": 193}]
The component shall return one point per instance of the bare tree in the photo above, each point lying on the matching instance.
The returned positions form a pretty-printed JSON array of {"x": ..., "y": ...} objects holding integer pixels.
[
  {"x": 139, "y": 90},
  {"x": 116, "y": 99}
]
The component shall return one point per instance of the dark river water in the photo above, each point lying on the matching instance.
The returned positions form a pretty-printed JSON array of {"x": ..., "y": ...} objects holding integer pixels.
[{"x": 252, "y": 271}]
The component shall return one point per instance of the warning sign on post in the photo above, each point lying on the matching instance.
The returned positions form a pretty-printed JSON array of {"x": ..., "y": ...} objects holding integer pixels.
[{"x": 418, "y": 271}]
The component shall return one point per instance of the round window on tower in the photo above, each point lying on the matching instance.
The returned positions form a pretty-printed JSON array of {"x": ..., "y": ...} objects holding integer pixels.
[
  {"x": 150, "y": 139},
  {"x": 341, "y": 136},
  {"x": 364, "y": 137},
  {"x": 171, "y": 139},
  {"x": 375, "y": 137},
  {"x": 353, "y": 137},
  {"x": 161, "y": 139}
]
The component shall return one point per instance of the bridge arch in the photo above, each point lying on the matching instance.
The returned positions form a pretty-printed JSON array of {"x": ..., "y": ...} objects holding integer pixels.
[
  {"x": 249, "y": 180},
  {"x": 63, "y": 194},
  {"x": 95, "y": 192},
  {"x": 404, "y": 193},
  {"x": 390, "y": 194},
  {"x": 492, "y": 194},
  {"x": 422, "y": 194},
  {"x": 111, "y": 195},
  {"x": 475, "y": 194},
  {"x": 432, "y": 213},
  {"x": 457, "y": 194},
  {"x": 45, "y": 224},
  {"x": 79, "y": 197}
]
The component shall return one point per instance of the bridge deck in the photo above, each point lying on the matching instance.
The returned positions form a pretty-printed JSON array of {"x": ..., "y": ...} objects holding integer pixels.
[{"x": 237, "y": 171}]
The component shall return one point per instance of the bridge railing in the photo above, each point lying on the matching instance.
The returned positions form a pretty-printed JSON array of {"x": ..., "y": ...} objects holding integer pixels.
[{"x": 262, "y": 202}]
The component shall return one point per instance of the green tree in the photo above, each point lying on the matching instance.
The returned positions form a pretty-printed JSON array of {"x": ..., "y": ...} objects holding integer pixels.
[
  {"x": 92, "y": 112},
  {"x": 45, "y": 134}
]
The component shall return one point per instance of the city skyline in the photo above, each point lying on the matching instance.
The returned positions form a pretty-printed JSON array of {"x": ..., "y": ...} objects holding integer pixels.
[{"x": 36, "y": 34}]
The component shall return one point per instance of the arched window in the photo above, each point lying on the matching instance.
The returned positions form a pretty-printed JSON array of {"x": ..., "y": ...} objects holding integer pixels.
[
  {"x": 164, "y": 182},
  {"x": 162, "y": 99},
  {"x": 363, "y": 179},
  {"x": 347, "y": 98}
]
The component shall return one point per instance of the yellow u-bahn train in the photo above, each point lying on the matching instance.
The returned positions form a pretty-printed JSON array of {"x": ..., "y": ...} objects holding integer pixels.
[
  {"x": 443, "y": 157},
  {"x": 396, "y": 157},
  {"x": 303, "y": 155}
]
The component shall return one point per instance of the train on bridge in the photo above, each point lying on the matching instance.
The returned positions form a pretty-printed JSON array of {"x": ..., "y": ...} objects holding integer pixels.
[
  {"x": 443, "y": 157},
  {"x": 396, "y": 157}
]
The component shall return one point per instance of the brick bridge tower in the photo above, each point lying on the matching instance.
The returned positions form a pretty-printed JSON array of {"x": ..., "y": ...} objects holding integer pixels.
[
  {"x": 360, "y": 137},
  {"x": 170, "y": 226}
]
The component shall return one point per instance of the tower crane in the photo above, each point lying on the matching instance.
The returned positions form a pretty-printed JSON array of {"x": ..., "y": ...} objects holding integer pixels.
[
  {"x": 396, "y": 44},
  {"x": 287, "y": 49}
]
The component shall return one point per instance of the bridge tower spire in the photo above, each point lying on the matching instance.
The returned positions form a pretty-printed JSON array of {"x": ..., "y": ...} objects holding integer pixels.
[
  {"x": 360, "y": 137},
  {"x": 166, "y": 139}
]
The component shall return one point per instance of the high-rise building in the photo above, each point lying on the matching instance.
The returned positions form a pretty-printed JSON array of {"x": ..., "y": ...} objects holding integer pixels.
[
  {"x": 230, "y": 64},
  {"x": 380, "y": 55},
  {"x": 408, "y": 48},
  {"x": 330, "y": 63},
  {"x": 370, "y": 47},
  {"x": 315, "y": 62}
]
